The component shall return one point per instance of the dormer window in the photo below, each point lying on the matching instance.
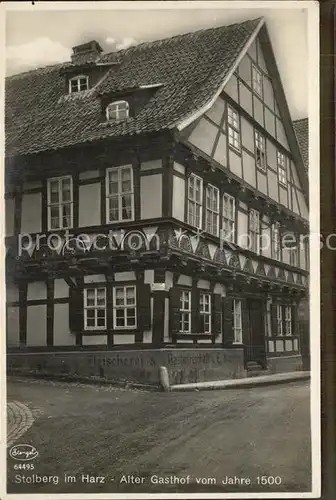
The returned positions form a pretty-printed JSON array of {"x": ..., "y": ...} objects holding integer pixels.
[
  {"x": 78, "y": 83},
  {"x": 118, "y": 110}
]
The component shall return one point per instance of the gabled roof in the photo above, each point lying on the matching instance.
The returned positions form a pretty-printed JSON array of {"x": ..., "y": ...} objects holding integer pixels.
[
  {"x": 191, "y": 68},
  {"x": 301, "y": 131}
]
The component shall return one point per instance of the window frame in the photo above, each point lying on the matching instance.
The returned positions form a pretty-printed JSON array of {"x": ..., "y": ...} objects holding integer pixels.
[
  {"x": 117, "y": 111},
  {"x": 227, "y": 219},
  {"x": 282, "y": 168},
  {"x": 260, "y": 146},
  {"x": 294, "y": 256},
  {"x": 205, "y": 313},
  {"x": 276, "y": 249},
  {"x": 60, "y": 202},
  {"x": 233, "y": 127},
  {"x": 214, "y": 213},
  {"x": 237, "y": 339},
  {"x": 280, "y": 332},
  {"x": 95, "y": 307},
  {"x": 257, "y": 86},
  {"x": 185, "y": 311},
  {"x": 254, "y": 232},
  {"x": 120, "y": 194},
  {"x": 288, "y": 321},
  {"x": 193, "y": 201},
  {"x": 124, "y": 307},
  {"x": 77, "y": 78}
]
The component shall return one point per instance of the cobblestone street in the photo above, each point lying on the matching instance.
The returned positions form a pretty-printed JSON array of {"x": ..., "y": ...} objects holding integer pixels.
[{"x": 91, "y": 431}]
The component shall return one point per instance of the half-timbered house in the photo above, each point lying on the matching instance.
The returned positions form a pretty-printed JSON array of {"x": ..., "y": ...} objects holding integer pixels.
[{"x": 157, "y": 199}]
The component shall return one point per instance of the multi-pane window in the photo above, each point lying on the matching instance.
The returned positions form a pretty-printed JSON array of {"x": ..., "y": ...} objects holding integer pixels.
[
  {"x": 233, "y": 128},
  {"x": 195, "y": 196},
  {"x": 288, "y": 320},
  {"x": 119, "y": 194},
  {"x": 78, "y": 83},
  {"x": 212, "y": 210},
  {"x": 256, "y": 80},
  {"x": 260, "y": 150},
  {"x": 228, "y": 220},
  {"x": 95, "y": 308},
  {"x": 294, "y": 256},
  {"x": 254, "y": 230},
  {"x": 185, "y": 311},
  {"x": 205, "y": 312},
  {"x": 279, "y": 320},
  {"x": 237, "y": 321},
  {"x": 282, "y": 168},
  {"x": 118, "y": 110},
  {"x": 124, "y": 307},
  {"x": 60, "y": 203},
  {"x": 276, "y": 249}
]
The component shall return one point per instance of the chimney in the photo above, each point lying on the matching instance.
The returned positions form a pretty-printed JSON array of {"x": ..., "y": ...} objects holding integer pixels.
[{"x": 86, "y": 53}]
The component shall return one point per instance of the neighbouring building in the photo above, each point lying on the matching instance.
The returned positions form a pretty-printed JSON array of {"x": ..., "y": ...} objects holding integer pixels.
[{"x": 156, "y": 210}]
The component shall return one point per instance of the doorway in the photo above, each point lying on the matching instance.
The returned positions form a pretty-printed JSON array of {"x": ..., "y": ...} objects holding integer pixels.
[{"x": 255, "y": 334}]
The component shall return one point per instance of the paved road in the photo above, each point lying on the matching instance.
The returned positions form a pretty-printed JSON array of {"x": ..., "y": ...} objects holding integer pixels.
[{"x": 95, "y": 431}]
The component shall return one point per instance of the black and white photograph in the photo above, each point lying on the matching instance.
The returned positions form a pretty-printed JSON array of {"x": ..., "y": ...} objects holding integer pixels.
[{"x": 161, "y": 250}]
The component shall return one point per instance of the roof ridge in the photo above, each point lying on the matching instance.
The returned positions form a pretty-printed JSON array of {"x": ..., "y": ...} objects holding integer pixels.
[{"x": 47, "y": 68}]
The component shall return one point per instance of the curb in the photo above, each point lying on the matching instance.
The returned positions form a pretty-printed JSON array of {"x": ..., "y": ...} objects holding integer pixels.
[{"x": 246, "y": 383}]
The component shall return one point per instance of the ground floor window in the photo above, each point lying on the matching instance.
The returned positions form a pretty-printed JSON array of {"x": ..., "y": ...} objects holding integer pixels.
[
  {"x": 124, "y": 307},
  {"x": 95, "y": 308},
  {"x": 279, "y": 320},
  {"x": 185, "y": 311},
  {"x": 288, "y": 320},
  {"x": 205, "y": 312},
  {"x": 237, "y": 321}
]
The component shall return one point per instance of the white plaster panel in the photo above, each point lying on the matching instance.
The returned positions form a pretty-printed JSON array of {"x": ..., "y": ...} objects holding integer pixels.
[
  {"x": 95, "y": 278},
  {"x": 179, "y": 168},
  {"x": 245, "y": 98},
  {"x": 273, "y": 185},
  {"x": 253, "y": 51},
  {"x": 37, "y": 290},
  {"x": 219, "y": 289},
  {"x": 221, "y": 150},
  {"x": 231, "y": 88},
  {"x": 295, "y": 206},
  {"x": 166, "y": 337},
  {"x": 125, "y": 276},
  {"x": 147, "y": 337},
  {"x": 296, "y": 345},
  {"x": 258, "y": 110},
  {"x": 242, "y": 229},
  {"x": 268, "y": 92},
  {"x": 149, "y": 276},
  {"x": 203, "y": 135},
  {"x": 151, "y": 165},
  {"x": 13, "y": 326},
  {"x": 235, "y": 163},
  {"x": 31, "y": 213},
  {"x": 184, "y": 280},
  {"x": 89, "y": 174},
  {"x": 89, "y": 205},
  {"x": 270, "y": 122},
  {"x": 215, "y": 113},
  {"x": 271, "y": 155},
  {"x": 123, "y": 339},
  {"x": 279, "y": 345},
  {"x": 244, "y": 70},
  {"x": 270, "y": 346},
  {"x": 151, "y": 196},
  {"x": 169, "y": 279},
  {"x": 262, "y": 182},
  {"x": 283, "y": 196},
  {"x": 178, "y": 198},
  {"x": 203, "y": 284},
  {"x": 288, "y": 345},
  {"x": 37, "y": 325},
  {"x": 247, "y": 135},
  {"x": 302, "y": 205},
  {"x": 94, "y": 339},
  {"x": 281, "y": 135},
  {"x": 62, "y": 333},
  {"x": 265, "y": 241},
  {"x": 61, "y": 288}
]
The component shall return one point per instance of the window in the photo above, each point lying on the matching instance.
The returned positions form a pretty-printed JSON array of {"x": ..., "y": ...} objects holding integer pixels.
[
  {"x": 276, "y": 241},
  {"x": 124, "y": 307},
  {"x": 260, "y": 150},
  {"x": 256, "y": 80},
  {"x": 205, "y": 312},
  {"x": 94, "y": 308},
  {"x": 254, "y": 229},
  {"x": 294, "y": 256},
  {"x": 229, "y": 216},
  {"x": 288, "y": 320},
  {"x": 234, "y": 128},
  {"x": 195, "y": 196},
  {"x": 237, "y": 322},
  {"x": 119, "y": 194},
  {"x": 212, "y": 210},
  {"x": 185, "y": 312},
  {"x": 60, "y": 202},
  {"x": 282, "y": 168},
  {"x": 118, "y": 110},
  {"x": 78, "y": 83},
  {"x": 279, "y": 320}
]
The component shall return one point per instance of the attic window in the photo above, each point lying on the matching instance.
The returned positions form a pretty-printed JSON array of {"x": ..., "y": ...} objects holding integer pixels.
[
  {"x": 78, "y": 83},
  {"x": 118, "y": 110}
]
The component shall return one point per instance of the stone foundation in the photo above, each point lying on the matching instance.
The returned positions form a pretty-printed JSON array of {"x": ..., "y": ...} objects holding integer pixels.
[
  {"x": 183, "y": 365},
  {"x": 284, "y": 364}
]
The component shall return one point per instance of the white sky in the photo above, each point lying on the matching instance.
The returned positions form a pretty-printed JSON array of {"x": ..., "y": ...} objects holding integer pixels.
[{"x": 35, "y": 38}]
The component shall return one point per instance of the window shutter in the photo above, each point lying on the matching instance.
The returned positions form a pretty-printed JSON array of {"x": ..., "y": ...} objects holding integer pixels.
[
  {"x": 216, "y": 314},
  {"x": 228, "y": 320},
  {"x": 195, "y": 311},
  {"x": 174, "y": 310},
  {"x": 143, "y": 306},
  {"x": 274, "y": 320},
  {"x": 76, "y": 310}
]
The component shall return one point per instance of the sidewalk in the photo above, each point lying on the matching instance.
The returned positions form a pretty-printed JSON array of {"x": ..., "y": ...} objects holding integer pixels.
[{"x": 278, "y": 378}]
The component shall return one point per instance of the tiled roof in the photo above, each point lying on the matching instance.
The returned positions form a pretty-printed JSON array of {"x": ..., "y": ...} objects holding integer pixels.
[
  {"x": 301, "y": 131},
  {"x": 191, "y": 67}
]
